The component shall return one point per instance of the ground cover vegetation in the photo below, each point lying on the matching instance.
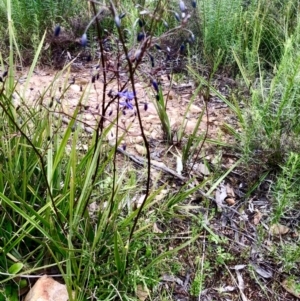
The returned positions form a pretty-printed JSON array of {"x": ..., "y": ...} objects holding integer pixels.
[{"x": 75, "y": 204}]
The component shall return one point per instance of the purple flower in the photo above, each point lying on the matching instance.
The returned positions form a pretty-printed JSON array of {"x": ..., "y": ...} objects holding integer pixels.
[
  {"x": 126, "y": 105},
  {"x": 129, "y": 96},
  {"x": 182, "y": 47},
  {"x": 118, "y": 21},
  {"x": 182, "y": 6},
  {"x": 141, "y": 23},
  {"x": 177, "y": 16},
  {"x": 57, "y": 31},
  {"x": 83, "y": 40},
  {"x": 140, "y": 36},
  {"x": 155, "y": 85}
]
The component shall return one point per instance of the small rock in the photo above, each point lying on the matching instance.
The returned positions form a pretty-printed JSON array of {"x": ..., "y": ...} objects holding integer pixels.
[
  {"x": 47, "y": 289},
  {"x": 230, "y": 201}
]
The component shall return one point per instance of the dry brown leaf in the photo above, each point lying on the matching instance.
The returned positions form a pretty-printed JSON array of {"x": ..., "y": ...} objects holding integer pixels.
[
  {"x": 161, "y": 195},
  {"x": 257, "y": 217},
  {"x": 278, "y": 229},
  {"x": 241, "y": 285},
  {"x": 202, "y": 168},
  {"x": 140, "y": 149},
  {"x": 230, "y": 191},
  {"x": 220, "y": 196},
  {"x": 158, "y": 164},
  {"x": 156, "y": 229},
  {"x": 140, "y": 201},
  {"x": 262, "y": 271},
  {"x": 292, "y": 287},
  {"x": 195, "y": 109},
  {"x": 142, "y": 293},
  {"x": 47, "y": 289},
  {"x": 171, "y": 278}
]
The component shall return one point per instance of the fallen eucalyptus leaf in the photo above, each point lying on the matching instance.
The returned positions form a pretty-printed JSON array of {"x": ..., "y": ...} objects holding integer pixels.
[
  {"x": 203, "y": 169},
  {"x": 140, "y": 201},
  {"x": 241, "y": 285},
  {"x": 262, "y": 272},
  {"x": 170, "y": 278},
  {"x": 156, "y": 229},
  {"x": 278, "y": 229},
  {"x": 239, "y": 267},
  {"x": 257, "y": 217},
  {"x": 230, "y": 191},
  {"x": 220, "y": 196},
  {"x": 142, "y": 293},
  {"x": 228, "y": 288}
]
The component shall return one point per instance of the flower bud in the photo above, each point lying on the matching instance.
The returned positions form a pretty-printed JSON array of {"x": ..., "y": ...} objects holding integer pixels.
[
  {"x": 182, "y": 6},
  {"x": 177, "y": 16},
  {"x": 57, "y": 31},
  {"x": 118, "y": 21},
  {"x": 140, "y": 36},
  {"x": 157, "y": 47},
  {"x": 155, "y": 85},
  {"x": 182, "y": 47},
  {"x": 83, "y": 40},
  {"x": 141, "y": 23},
  {"x": 151, "y": 59}
]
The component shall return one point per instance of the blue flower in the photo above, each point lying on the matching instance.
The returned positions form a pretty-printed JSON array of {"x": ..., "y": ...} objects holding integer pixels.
[
  {"x": 118, "y": 21},
  {"x": 141, "y": 23},
  {"x": 177, "y": 16},
  {"x": 140, "y": 36},
  {"x": 155, "y": 85},
  {"x": 182, "y": 6},
  {"x": 126, "y": 104},
  {"x": 57, "y": 31},
  {"x": 129, "y": 96},
  {"x": 83, "y": 40}
]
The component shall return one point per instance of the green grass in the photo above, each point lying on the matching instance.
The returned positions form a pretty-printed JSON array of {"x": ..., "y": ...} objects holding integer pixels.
[{"x": 47, "y": 184}]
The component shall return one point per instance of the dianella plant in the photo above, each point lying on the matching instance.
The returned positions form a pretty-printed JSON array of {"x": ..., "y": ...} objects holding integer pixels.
[{"x": 54, "y": 166}]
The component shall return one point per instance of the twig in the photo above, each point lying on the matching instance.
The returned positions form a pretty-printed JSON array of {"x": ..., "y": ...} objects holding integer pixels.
[{"x": 141, "y": 161}]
